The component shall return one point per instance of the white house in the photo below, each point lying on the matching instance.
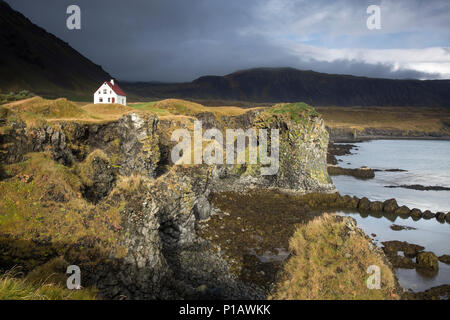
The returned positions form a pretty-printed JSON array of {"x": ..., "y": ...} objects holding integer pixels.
[{"x": 110, "y": 92}]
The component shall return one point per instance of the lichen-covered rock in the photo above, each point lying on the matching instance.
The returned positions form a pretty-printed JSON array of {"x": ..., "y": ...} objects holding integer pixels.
[
  {"x": 376, "y": 206},
  {"x": 440, "y": 216},
  {"x": 350, "y": 202},
  {"x": 364, "y": 204},
  {"x": 202, "y": 208},
  {"x": 427, "y": 214},
  {"x": 445, "y": 258},
  {"x": 302, "y": 151},
  {"x": 402, "y": 211},
  {"x": 416, "y": 213},
  {"x": 428, "y": 260},
  {"x": 390, "y": 205},
  {"x": 138, "y": 144}
]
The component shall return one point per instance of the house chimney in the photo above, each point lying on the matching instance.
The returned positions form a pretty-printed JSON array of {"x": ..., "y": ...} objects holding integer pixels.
[{"x": 112, "y": 81}]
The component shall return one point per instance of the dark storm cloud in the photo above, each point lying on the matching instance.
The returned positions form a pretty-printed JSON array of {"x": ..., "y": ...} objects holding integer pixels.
[{"x": 179, "y": 40}]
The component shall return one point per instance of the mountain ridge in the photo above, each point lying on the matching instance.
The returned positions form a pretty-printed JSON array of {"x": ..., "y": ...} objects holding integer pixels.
[
  {"x": 270, "y": 85},
  {"x": 33, "y": 59}
]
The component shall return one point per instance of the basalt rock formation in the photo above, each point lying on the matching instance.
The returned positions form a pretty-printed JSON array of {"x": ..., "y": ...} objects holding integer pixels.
[{"x": 154, "y": 250}]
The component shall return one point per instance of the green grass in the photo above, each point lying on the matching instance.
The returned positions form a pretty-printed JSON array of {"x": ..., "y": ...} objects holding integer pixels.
[
  {"x": 330, "y": 262},
  {"x": 150, "y": 106},
  {"x": 43, "y": 214},
  {"x": 407, "y": 119},
  {"x": 15, "y": 96},
  {"x": 13, "y": 287},
  {"x": 297, "y": 112}
]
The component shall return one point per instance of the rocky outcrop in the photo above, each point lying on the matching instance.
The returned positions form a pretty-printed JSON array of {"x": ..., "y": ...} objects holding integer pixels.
[{"x": 427, "y": 260}]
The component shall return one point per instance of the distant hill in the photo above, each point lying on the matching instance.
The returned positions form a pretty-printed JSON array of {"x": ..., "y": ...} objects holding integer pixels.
[
  {"x": 35, "y": 60},
  {"x": 288, "y": 84}
]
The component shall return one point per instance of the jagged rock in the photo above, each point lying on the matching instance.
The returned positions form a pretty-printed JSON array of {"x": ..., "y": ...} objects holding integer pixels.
[
  {"x": 427, "y": 214},
  {"x": 364, "y": 204},
  {"x": 402, "y": 211},
  {"x": 376, "y": 206},
  {"x": 202, "y": 208},
  {"x": 101, "y": 179},
  {"x": 447, "y": 217},
  {"x": 390, "y": 205},
  {"x": 428, "y": 260},
  {"x": 139, "y": 144}
]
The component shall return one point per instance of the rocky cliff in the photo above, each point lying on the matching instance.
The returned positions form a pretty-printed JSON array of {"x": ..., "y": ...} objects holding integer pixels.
[{"x": 140, "y": 213}]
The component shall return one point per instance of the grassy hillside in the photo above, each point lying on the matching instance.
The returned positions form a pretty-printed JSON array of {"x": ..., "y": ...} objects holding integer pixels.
[
  {"x": 35, "y": 60},
  {"x": 424, "y": 120},
  {"x": 14, "y": 287},
  {"x": 37, "y": 109},
  {"x": 329, "y": 261}
]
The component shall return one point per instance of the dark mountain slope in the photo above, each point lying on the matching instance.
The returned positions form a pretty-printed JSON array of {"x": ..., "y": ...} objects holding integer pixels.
[
  {"x": 288, "y": 84},
  {"x": 33, "y": 59}
]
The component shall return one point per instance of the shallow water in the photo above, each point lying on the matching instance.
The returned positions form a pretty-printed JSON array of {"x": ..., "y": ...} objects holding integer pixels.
[
  {"x": 431, "y": 234},
  {"x": 427, "y": 163}
]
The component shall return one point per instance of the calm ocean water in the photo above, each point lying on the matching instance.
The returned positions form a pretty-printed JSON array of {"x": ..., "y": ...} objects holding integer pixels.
[{"x": 428, "y": 163}]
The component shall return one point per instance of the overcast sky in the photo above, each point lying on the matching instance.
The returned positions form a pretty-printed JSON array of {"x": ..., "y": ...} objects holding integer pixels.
[{"x": 180, "y": 40}]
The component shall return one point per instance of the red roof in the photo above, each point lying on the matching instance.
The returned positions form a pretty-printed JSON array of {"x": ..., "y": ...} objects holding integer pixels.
[{"x": 115, "y": 88}]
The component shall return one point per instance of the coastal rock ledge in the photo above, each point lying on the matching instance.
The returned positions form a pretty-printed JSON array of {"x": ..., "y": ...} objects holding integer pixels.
[{"x": 146, "y": 245}]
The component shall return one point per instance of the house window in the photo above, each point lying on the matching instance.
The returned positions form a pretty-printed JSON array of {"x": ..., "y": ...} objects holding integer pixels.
[
  {"x": 109, "y": 99},
  {"x": 101, "y": 100},
  {"x": 105, "y": 91}
]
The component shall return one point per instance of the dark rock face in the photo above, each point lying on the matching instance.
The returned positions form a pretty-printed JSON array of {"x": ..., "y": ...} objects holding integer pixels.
[
  {"x": 427, "y": 260},
  {"x": 138, "y": 146},
  {"x": 21, "y": 140},
  {"x": 103, "y": 180},
  {"x": 202, "y": 208},
  {"x": 166, "y": 259}
]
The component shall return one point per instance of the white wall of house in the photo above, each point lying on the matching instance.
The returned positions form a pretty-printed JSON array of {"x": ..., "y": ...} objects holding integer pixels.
[{"x": 106, "y": 95}]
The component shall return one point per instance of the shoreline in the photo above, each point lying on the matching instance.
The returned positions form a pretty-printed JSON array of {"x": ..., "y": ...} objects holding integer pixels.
[{"x": 369, "y": 138}]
